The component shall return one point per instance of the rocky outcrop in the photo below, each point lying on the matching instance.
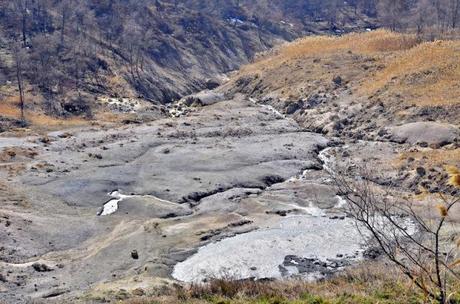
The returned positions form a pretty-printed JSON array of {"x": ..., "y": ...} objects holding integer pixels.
[{"x": 425, "y": 133}]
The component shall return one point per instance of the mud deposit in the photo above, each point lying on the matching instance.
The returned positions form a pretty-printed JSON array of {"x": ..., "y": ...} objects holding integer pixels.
[
  {"x": 230, "y": 188},
  {"x": 302, "y": 246}
]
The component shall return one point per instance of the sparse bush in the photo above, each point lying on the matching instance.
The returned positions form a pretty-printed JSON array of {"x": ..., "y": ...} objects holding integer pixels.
[{"x": 427, "y": 253}]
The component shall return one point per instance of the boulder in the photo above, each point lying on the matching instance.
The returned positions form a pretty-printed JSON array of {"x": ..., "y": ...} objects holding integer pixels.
[
  {"x": 431, "y": 133},
  {"x": 39, "y": 267},
  {"x": 211, "y": 84},
  {"x": 337, "y": 80},
  {"x": 135, "y": 254},
  {"x": 203, "y": 98}
]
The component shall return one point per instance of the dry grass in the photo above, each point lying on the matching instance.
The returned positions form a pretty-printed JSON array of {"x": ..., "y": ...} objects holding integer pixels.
[
  {"x": 53, "y": 122},
  {"x": 372, "y": 283},
  {"x": 426, "y": 75},
  {"x": 39, "y": 121},
  {"x": 319, "y": 46},
  {"x": 9, "y": 106},
  {"x": 381, "y": 64},
  {"x": 431, "y": 158}
]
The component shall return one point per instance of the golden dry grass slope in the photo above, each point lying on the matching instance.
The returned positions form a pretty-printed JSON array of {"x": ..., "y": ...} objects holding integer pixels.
[
  {"x": 366, "y": 284},
  {"x": 401, "y": 71}
]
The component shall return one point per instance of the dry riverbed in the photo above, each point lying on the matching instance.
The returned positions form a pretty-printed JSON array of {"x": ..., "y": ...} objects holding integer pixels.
[{"x": 230, "y": 189}]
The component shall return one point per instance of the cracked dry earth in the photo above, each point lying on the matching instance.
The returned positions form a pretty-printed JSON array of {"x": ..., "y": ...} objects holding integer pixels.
[{"x": 229, "y": 186}]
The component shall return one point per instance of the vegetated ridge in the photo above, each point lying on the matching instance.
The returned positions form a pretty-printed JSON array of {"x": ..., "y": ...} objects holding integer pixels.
[{"x": 357, "y": 85}]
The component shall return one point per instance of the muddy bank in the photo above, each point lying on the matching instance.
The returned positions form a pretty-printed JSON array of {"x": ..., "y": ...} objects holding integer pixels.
[
  {"x": 220, "y": 171},
  {"x": 295, "y": 246}
]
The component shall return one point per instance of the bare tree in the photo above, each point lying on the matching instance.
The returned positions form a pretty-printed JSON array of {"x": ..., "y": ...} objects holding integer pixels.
[
  {"x": 421, "y": 248},
  {"x": 133, "y": 41},
  {"x": 19, "y": 60},
  {"x": 21, "y": 11},
  {"x": 455, "y": 12},
  {"x": 65, "y": 10},
  {"x": 392, "y": 12}
]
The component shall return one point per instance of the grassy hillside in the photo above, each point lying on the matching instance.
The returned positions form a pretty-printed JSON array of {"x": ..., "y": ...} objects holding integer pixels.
[
  {"x": 403, "y": 73},
  {"x": 364, "y": 86},
  {"x": 426, "y": 75}
]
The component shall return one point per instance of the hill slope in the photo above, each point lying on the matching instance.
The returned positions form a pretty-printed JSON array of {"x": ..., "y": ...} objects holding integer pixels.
[
  {"x": 74, "y": 53},
  {"x": 358, "y": 85}
]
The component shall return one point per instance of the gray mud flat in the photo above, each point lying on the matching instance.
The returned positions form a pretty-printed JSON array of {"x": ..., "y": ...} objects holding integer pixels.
[
  {"x": 223, "y": 178},
  {"x": 274, "y": 251}
]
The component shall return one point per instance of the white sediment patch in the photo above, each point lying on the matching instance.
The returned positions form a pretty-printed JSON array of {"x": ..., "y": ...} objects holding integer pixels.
[
  {"x": 273, "y": 110},
  {"x": 311, "y": 209},
  {"x": 341, "y": 202},
  {"x": 268, "y": 107},
  {"x": 112, "y": 205},
  {"x": 259, "y": 253},
  {"x": 300, "y": 176},
  {"x": 327, "y": 160},
  {"x": 385, "y": 226}
]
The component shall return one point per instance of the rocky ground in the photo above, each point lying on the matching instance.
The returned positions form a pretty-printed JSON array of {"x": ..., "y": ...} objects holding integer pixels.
[
  {"x": 228, "y": 168},
  {"x": 219, "y": 184},
  {"x": 391, "y": 94},
  {"x": 224, "y": 187}
]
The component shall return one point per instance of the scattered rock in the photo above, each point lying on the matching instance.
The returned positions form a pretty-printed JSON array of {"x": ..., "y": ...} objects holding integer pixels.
[
  {"x": 39, "y": 267},
  {"x": 421, "y": 171},
  {"x": 135, "y": 254},
  {"x": 293, "y": 107},
  {"x": 280, "y": 212},
  {"x": 372, "y": 253},
  {"x": 44, "y": 140},
  {"x": 240, "y": 223},
  {"x": 272, "y": 179},
  {"x": 337, "y": 80},
  {"x": 311, "y": 265},
  {"x": 211, "y": 84},
  {"x": 138, "y": 292},
  {"x": 425, "y": 134},
  {"x": 96, "y": 156},
  {"x": 65, "y": 135},
  {"x": 54, "y": 293}
]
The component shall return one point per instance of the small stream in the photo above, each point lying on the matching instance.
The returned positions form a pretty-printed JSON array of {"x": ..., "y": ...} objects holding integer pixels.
[
  {"x": 309, "y": 246},
  {"x": 268, "y": 107},
  {"x": 112, "y": 205}
]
